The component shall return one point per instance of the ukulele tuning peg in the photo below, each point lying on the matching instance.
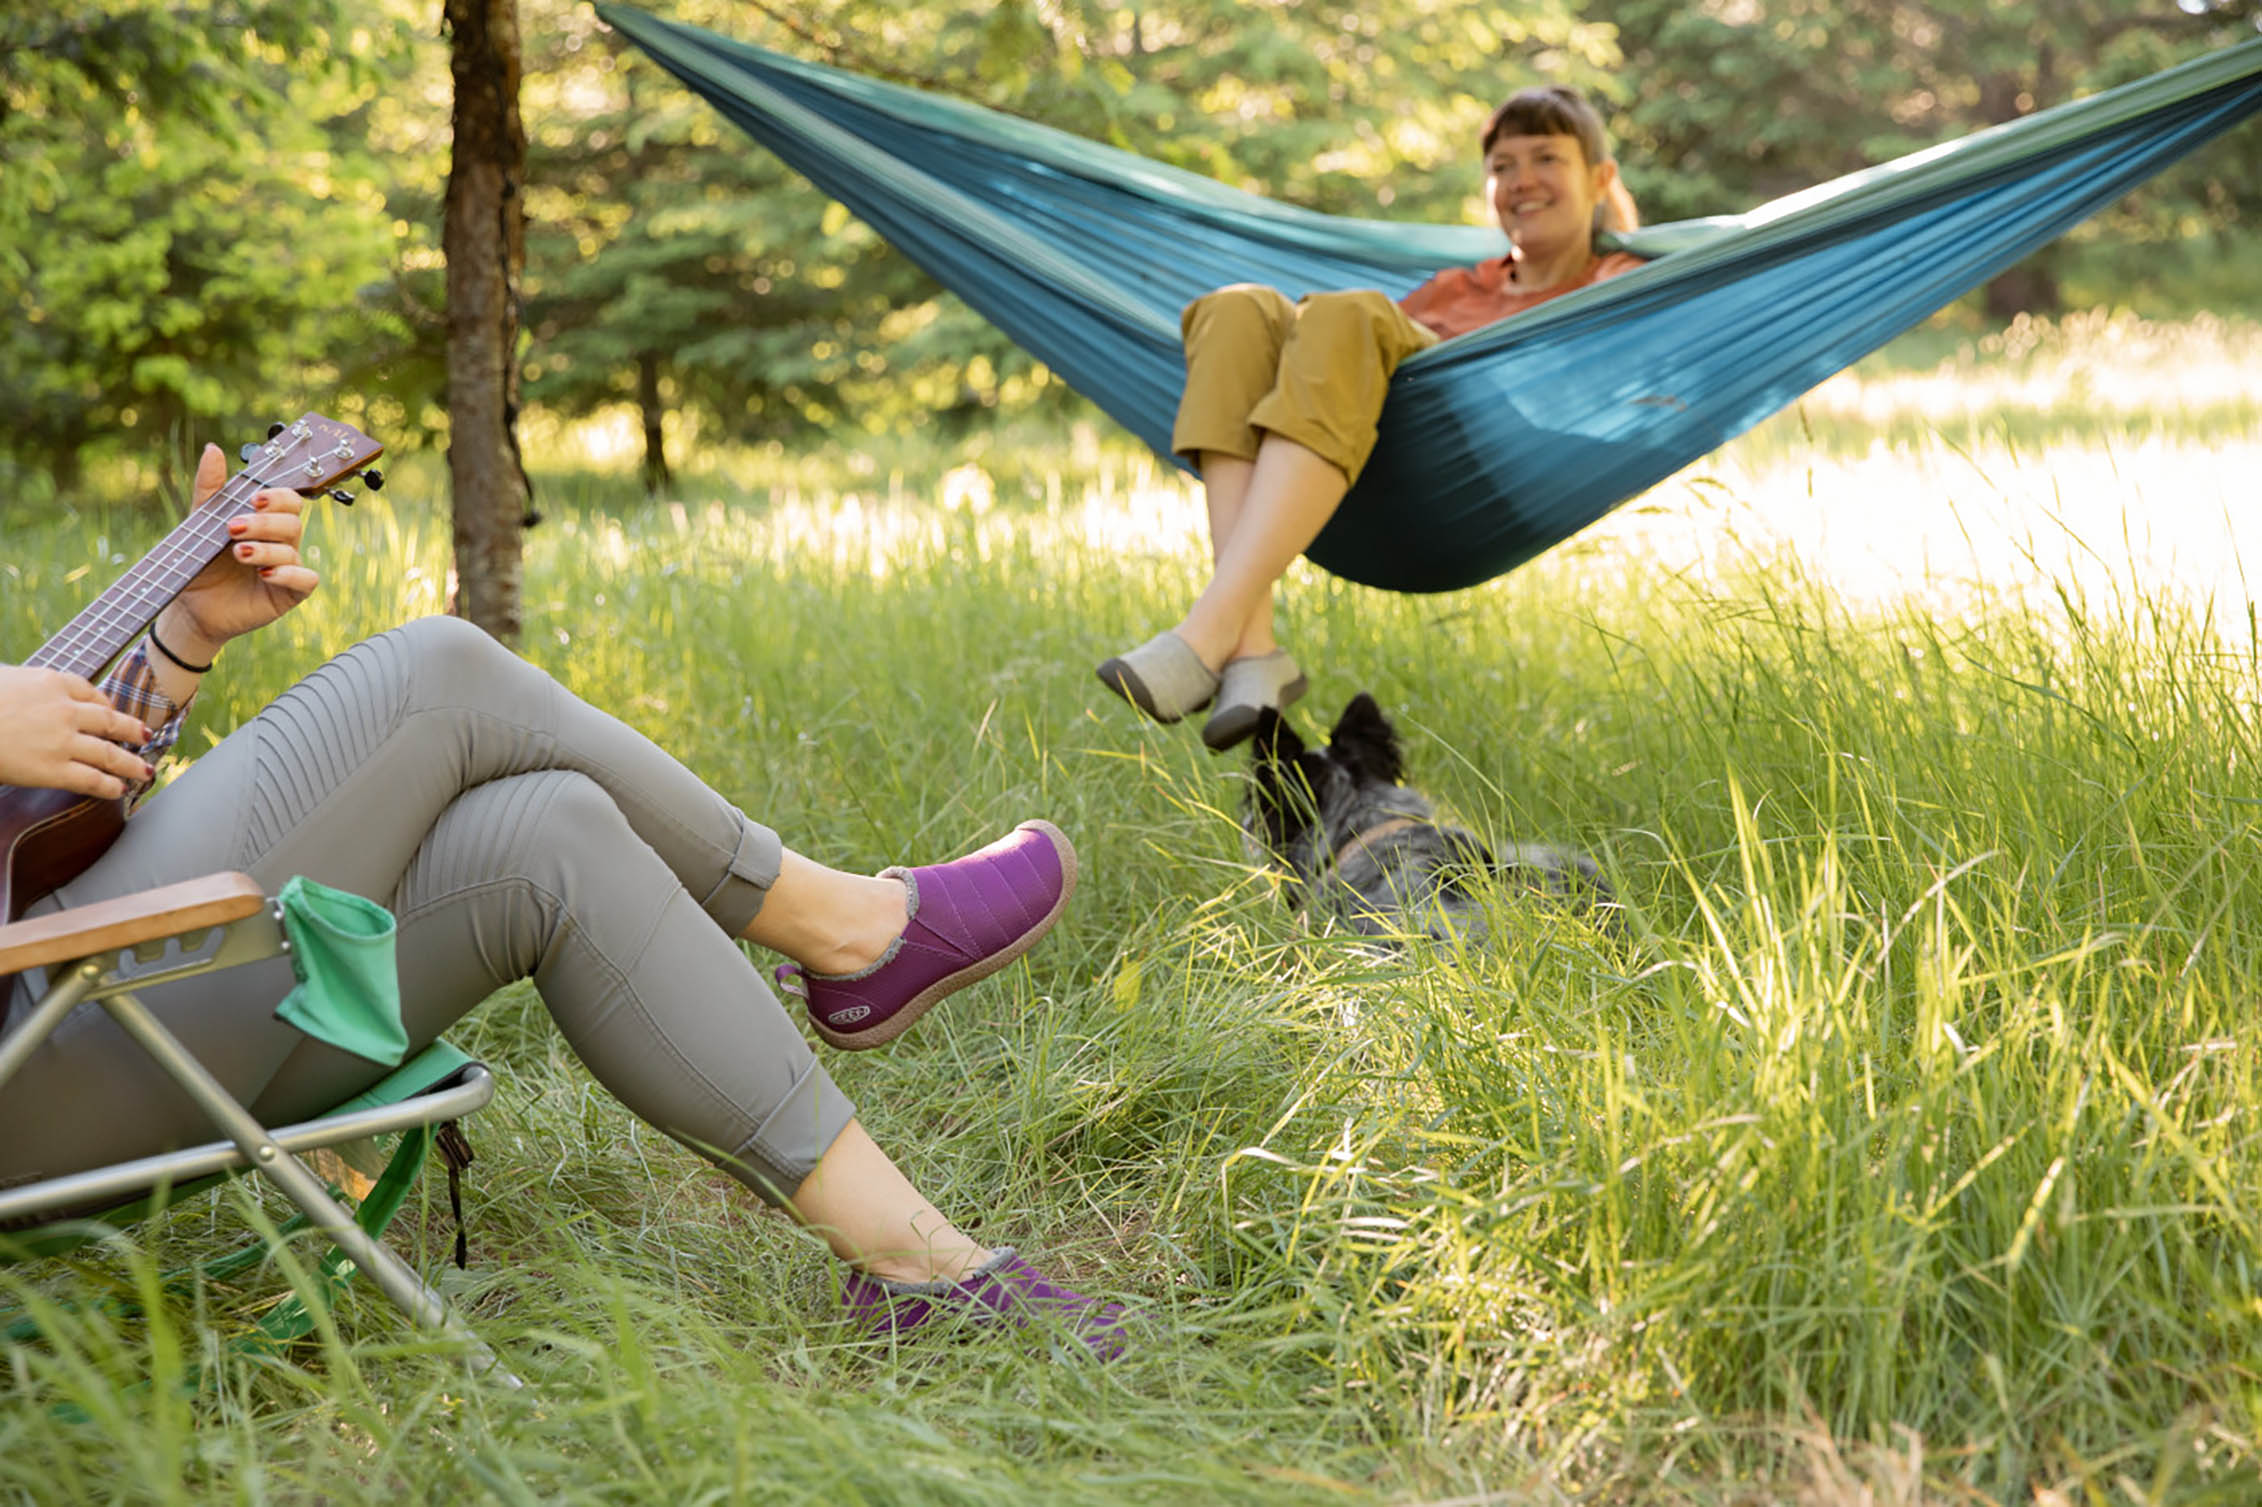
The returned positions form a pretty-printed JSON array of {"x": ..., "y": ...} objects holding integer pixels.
[
  {"x": 373, "y": 479},
  {"x": 248, "y": 451},
  {"x": 340, "y": 494},
  {"x": 274, "y": 429}
]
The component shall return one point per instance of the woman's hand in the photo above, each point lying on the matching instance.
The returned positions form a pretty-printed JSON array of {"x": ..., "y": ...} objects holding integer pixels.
[
  {"x": 57, "y": 732},
  {"x": 258, "y": 580}
]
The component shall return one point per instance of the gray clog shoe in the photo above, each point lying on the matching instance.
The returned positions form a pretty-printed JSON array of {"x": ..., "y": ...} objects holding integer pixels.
[
  {"x": 1163, "y": 677},
  {"x": 1247, "y": 687}
]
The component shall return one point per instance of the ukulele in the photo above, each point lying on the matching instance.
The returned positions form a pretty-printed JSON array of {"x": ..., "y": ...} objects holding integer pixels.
[{"x": 49, "y": 837}]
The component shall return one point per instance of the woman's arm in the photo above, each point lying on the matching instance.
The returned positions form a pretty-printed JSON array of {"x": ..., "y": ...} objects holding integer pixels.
[{"x": 131, "y": 687}]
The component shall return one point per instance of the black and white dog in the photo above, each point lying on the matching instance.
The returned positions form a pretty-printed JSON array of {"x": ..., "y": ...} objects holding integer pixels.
[{"x": 1372, "y": 853}]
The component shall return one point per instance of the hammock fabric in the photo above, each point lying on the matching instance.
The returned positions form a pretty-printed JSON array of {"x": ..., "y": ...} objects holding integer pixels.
[{"x": 1499, "y": 444}]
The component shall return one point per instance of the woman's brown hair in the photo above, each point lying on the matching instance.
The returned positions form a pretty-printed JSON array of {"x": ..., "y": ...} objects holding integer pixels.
[{"x": 1549, "y": 110}]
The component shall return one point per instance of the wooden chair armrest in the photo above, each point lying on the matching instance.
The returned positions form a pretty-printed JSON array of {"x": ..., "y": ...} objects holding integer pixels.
[{"x": 166, "y": 911}]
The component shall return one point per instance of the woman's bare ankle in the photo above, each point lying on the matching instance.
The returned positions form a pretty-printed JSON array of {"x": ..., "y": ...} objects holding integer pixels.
[
  {"x": 866, "y": 929},
  {"x": 1211, "y": 648},
  {"x": 1254, "y": 645},
  {"x": 914, "y": 1267}
]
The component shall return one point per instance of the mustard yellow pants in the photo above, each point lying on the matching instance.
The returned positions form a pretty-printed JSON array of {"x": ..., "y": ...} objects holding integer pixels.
[{"x": 1315, "y": 372}]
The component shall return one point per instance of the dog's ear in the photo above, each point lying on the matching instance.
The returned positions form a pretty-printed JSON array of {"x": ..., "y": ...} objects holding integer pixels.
[
  {"x": 1275, "y": 741},
  {"x": 1282, "y": 802},
  {"x": 1366, "y": 741}
]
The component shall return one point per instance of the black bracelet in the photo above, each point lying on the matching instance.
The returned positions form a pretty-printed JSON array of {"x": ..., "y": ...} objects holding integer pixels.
[{"x": 159, "y": 645}]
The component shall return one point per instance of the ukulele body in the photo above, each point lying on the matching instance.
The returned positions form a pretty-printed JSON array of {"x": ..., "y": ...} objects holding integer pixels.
[{"x": 48, "y": 838}]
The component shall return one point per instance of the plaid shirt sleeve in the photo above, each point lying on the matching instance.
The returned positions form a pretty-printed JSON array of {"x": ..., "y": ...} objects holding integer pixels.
[{"x": 132, "y": 689}]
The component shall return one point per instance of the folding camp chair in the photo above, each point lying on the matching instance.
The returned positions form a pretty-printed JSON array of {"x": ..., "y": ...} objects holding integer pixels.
[{"x": 103, "y": 953}]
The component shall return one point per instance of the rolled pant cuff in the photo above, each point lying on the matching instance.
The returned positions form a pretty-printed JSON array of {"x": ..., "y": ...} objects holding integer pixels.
[
  {"x": 1345, "y": 453},
  {"x": 737, "y": 897},
  {"x": 779, "y": 1156},
  {"x": 1217, "y": 433}
]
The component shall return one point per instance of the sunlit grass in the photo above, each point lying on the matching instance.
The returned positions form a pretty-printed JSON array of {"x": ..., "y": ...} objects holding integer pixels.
[
  {"x": 1903, "y": 1148},
  {"x": 2093, "y": 379}
]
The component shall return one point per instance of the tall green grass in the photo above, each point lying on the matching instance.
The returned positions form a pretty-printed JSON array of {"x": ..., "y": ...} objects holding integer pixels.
[{"x": 1900, "y": 1147}]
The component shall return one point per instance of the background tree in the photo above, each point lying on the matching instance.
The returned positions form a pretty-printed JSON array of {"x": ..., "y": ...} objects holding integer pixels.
[
  {"x": 485, "y": 241},
  {"x": 1731, "y": 102},
  {"x": 674, "y": 272},
  {"x": 181, "y": 235}
]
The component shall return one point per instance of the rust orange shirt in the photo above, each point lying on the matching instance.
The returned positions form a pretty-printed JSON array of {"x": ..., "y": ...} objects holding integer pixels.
[{"x": 1461, "y": 299}]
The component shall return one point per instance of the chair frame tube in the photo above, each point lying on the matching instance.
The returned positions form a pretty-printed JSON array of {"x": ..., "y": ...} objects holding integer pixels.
[{"x": 109, "y": 977}]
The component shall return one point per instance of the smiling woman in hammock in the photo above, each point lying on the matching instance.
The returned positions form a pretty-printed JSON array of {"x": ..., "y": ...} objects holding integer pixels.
[
  {"x": 1497, "y": 446},
  {"x": 1282, "y": 401}
]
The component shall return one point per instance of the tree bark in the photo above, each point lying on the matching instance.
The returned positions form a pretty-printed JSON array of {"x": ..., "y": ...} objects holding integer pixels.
[
  {"x": 484, "y": 237},
  {"x": 2029, "y": 286},
  {"x": 656, "y": 474}
]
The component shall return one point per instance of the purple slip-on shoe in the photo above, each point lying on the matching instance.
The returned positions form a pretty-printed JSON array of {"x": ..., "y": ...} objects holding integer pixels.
[
  {"x": 1003, "y": 1290},
  {"x": 969, "y": 918}
]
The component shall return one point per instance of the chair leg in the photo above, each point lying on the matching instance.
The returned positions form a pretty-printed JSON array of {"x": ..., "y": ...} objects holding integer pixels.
[
  {"x": 392, "y": 1275},
  {"x": 63, "y": 995}
]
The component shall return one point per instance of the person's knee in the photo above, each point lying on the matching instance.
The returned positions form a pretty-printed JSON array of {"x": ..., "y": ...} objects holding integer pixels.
[
  {"x": 572, "y": 831},
  {"x": 509, "y": 872},
  {"x": 1353, "y": 327},
  {"x": 453, "y": 655},
  {"x": 1238, "y": 309},
  {"x": 536, "y": 846},
  {"x": 1356, "y": 310},
  {"x": 439, "y": 639}
]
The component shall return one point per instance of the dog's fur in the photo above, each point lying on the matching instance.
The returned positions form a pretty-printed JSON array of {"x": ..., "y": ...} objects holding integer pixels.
[{"x": 1417, "y": 875}]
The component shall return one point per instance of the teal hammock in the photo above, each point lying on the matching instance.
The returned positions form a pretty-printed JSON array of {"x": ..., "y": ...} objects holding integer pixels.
[{"x": 1502, "y": 443}]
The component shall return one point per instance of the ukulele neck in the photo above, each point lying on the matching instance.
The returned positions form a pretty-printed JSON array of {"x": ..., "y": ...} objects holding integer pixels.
[{"x": 110, "y": 622}]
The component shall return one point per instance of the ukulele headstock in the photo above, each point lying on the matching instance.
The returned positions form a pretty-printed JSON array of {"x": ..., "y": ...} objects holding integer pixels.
[{"x": 310, "y": 456}]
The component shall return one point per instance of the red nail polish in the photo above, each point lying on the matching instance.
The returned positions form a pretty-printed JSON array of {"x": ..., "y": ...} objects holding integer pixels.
[
  {"x": 237, "y": 526},
  {"x": 243, "y": 551}
]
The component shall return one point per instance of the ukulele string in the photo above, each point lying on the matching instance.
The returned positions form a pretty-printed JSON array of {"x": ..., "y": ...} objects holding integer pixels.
[{"x": 142, "y": 592}]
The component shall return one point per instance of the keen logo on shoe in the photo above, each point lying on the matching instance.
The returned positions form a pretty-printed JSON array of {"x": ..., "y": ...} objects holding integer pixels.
[{"x": 849, "y": 1016}]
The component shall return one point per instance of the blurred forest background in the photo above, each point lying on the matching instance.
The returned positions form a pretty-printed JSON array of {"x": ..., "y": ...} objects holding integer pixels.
[{"x": 213, "y": 211}]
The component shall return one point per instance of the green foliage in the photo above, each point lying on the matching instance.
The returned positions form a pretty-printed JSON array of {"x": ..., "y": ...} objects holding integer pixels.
[
  {"x": 669, "y": 270},
  {"x": 1848, "y": 83},
  {"x": 186, "y": 237}
]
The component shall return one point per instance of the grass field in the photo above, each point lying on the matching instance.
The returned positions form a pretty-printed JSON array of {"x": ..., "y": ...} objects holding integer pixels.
[{"x": 1904, "y": 1149}]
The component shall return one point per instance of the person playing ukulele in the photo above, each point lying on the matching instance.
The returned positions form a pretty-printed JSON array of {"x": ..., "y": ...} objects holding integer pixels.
[{"x": 517, "y": 832}]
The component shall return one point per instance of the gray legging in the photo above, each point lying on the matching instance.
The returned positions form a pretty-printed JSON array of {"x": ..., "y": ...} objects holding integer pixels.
[{"x": 516, "y": 832}]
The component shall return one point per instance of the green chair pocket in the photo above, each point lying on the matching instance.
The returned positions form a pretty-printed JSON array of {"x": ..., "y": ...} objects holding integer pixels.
[{"x": 349, "y": 989}]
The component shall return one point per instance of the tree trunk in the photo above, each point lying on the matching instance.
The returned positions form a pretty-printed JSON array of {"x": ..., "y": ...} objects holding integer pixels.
[
  {"x": 485, "y": 241},
  {"x": 66, "y": 465},
  {"x": 656, "y": 476},
  {"x": 2030, "y": 287}
]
